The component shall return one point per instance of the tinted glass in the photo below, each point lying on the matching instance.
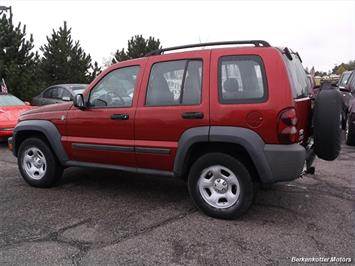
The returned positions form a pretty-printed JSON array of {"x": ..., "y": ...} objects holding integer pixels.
[
  {"x": 8, "y": 100},
  {"x": 66, "y": 93},
  {"x": 344, "y": 79},
  {"x": 52, "y": 93},
  {"x": 115, "y": 89},
  {"x": 241, "y": 79},
  {"x": 48, "y": 93},
  {"x": 298, "y": 77},
  {"x": 175, "y": 83},
  {"x": 352, "y": 84}
]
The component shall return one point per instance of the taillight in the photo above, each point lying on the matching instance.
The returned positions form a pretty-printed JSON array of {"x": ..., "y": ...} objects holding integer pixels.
[{"x": 287, "y": 131}]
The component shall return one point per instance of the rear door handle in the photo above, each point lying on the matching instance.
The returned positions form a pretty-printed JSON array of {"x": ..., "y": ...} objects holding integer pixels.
[
  {"x": 192, "y": 115},
  {"x": 120, "y": 117}
]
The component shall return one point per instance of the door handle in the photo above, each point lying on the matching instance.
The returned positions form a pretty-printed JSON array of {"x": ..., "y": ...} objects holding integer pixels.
[
  {"x": 192, "y": 115},
  {"x": 120, "y": 117}
]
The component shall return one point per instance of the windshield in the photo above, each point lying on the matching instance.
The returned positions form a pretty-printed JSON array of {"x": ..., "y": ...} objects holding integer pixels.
[{"x": 8, "y": 100}]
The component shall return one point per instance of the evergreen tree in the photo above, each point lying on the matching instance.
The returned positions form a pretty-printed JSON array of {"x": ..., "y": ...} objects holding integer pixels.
[
  {"x": 18, "y": 63},
  {"x": 137, "y": 47},
  {"x": 64, "y": 61},
  {"x": 339, "y": 69}
]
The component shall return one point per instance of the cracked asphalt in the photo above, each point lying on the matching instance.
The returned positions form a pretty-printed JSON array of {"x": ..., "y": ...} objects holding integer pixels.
[{"x": 96, "y": 217}]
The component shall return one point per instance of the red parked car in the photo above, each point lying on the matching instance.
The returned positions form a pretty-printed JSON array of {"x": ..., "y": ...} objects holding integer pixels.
[
  {"x": 222, "y": 119},
  {"x": 10, "y": 109}
]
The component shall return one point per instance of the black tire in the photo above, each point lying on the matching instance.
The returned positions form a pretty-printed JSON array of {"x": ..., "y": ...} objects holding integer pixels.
[
  {"x": 350, "y": 131},
  {"x": 52, "y": 171},
  {"x": 327, "y": 124},
  {"x": 246, "y": 185}
]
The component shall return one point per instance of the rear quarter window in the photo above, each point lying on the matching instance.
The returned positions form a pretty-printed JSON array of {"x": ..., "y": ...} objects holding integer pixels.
[
  {"x": 300, "y": 84},
  {"x": 242, "y": 79}
]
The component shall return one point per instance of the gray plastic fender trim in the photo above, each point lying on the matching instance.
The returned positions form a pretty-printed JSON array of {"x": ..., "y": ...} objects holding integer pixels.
[
  {"x": 247, "y": 138},
  {"x": 49, "y": 130},
  {"x": 187, "y": 139},
  {"x": 250, "y": 141}
]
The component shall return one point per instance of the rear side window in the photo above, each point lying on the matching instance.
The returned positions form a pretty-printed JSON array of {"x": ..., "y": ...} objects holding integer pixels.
[
  {"x": 52, "y": 93},
  {"x": 242, "y": 79},
  {"x": 175, "y": 83},
  {"x": 298, "y": 78}
]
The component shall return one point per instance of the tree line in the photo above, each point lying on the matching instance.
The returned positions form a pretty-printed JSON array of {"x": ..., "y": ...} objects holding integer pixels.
[{"x": 61, "y": 59}]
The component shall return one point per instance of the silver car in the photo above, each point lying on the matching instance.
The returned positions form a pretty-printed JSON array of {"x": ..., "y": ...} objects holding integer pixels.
[{"x": 58, "y": 94}]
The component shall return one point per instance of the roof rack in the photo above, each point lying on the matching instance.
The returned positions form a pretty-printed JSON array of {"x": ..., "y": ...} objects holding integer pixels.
[{"x": 257, "y": 43}]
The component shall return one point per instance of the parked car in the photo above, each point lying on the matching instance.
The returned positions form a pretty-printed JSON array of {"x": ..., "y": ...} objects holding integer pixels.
[
  {"x": 222, "y": 119},
  {"x": 314, "y": 89},
  {"x": 58, "y": 94},
  {"x": 348, "y": 96},
  {"x": 343, "y": 87},
  {"x": 10, "y": 109},
  {"x": 344, "y": 78}
]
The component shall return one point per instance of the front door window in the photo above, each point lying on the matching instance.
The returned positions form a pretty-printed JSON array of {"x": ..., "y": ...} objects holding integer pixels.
[{"x": 116, "y": 89}]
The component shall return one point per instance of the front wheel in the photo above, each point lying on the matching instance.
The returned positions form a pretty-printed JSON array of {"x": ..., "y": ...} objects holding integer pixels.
[
  {"x": 221, "y": 186},
  {"x": 37, "y": 164}
]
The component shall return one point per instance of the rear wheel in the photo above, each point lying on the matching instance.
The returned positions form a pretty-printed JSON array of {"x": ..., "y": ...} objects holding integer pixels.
[
  {"x": 350, "y": 132},
  {"x": 221, "y": 186},
  {"x": 37, "y": 163}
]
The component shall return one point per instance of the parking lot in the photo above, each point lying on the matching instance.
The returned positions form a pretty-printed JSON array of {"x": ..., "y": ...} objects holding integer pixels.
[{"x": 96, "y": 217}]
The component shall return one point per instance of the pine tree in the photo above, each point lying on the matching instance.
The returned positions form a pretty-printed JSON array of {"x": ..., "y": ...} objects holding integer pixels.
[
  {"x": 137, "y": 47},
  {"x": 64, "y": 61},
  {"x": 18, "y": 63}
]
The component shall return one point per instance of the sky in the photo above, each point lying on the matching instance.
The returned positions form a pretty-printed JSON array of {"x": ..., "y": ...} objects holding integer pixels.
[{"x": 323, "y": 32}]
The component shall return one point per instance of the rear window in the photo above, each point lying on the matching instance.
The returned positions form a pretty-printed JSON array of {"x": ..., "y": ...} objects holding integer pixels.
[
  {"x": 241, "y": 79},
  {"x": 300, "y": 84}
]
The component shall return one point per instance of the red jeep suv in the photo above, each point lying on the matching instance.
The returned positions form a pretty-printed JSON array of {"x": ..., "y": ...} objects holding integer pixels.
[{"x": 223, "y": 119}]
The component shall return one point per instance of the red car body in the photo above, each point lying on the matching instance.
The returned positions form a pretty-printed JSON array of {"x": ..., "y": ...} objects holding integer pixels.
[
  {"x": 9, "y": 114},
  {"x": 242, "y": 115},
  {"x": 95, "y": 126}
]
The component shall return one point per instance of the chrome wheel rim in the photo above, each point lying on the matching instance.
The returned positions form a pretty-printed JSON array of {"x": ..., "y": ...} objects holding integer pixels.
[
  {"x": 34, "y": 163},
  {"x": 219, "y": 187}
]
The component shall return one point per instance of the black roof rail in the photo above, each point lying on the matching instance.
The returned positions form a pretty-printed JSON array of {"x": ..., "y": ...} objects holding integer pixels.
[{"x": 257, "y": 43}]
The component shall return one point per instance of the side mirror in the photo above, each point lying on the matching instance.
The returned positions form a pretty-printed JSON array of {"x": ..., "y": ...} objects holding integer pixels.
[{"x": 79, "y": 101}]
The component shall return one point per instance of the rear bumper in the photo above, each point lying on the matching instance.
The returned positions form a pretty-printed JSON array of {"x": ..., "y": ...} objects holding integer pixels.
[{"x": 286, "y": 162}]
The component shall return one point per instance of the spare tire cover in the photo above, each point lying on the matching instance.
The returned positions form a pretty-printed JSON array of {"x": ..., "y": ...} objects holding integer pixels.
[{"x": 327, "y": 124}]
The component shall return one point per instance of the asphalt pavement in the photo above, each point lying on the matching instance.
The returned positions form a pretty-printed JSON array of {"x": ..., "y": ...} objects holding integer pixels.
[{"x": 96, "y": 217}]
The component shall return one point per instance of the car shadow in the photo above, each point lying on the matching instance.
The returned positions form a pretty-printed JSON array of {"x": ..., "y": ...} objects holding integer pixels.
[{"x": 108, "y": 182}]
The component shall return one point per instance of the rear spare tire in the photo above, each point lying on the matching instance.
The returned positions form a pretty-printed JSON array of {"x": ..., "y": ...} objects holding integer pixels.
[{"x": 327, "y": 124}]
